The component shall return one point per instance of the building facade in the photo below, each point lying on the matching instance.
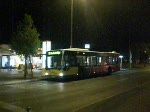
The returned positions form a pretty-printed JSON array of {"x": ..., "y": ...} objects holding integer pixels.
[{"x": 9, "y": 59}]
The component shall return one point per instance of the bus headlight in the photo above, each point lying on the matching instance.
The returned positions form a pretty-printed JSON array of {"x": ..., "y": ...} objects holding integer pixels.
[
  {"x": 46, "y": 73},
  {"x": 61, "y": 74}
]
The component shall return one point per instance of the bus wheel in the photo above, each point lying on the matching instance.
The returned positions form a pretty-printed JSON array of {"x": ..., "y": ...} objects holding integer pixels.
[{"x": 109, "y": 71}]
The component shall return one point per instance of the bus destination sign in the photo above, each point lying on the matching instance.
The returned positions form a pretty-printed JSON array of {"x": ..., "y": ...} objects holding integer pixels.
[{"x": 54, "y": 52}]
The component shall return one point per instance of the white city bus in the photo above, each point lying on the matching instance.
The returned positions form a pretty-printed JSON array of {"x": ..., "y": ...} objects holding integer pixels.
[{"x": 80, "y": 62}]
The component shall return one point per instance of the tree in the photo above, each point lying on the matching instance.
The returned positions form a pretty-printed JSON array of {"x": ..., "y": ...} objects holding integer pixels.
[
  {"x": 141, "y": 52},
  {"x": 26, "y": 40}
]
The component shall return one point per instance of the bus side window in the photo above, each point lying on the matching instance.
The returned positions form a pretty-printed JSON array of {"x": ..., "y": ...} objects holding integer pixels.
[
  {"x": 88, "y": 61},
  {"x": 109, "y": 60},
  {"x": 94, "y": 60},
  {"x": 81, "y": 60},
  {"x": 99, "y": 60},
  {"x": 114, "y": 60},
  {"x": 72, "y": 61},
  {"x": 104, "y": 60}
]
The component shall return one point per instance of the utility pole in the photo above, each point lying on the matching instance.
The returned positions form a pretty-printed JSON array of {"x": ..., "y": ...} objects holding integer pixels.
[{"x": 71, "y": 23}]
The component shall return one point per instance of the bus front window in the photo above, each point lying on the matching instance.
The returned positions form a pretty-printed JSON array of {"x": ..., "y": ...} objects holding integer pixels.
[{"x": 54, "y": 62}]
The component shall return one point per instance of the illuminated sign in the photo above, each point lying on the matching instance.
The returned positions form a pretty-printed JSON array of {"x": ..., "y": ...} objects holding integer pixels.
[
  {"x": 54, "y": 53},
  {"x": 87, "y": 46}
]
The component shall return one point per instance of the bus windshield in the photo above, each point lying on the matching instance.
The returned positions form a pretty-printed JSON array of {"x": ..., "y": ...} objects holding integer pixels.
[{"x": 54, "y": 59}]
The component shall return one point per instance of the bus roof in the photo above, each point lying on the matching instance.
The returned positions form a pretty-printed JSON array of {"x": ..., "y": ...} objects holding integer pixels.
[
  {"x": 75, "y": 49},
  {"x": 86, "y": 50}
]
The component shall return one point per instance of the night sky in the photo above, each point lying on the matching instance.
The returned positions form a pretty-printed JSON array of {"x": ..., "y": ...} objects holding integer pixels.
[{"x": 105, "y": 24}]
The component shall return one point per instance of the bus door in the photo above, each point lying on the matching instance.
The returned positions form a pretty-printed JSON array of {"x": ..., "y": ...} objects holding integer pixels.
[{"x": 84, "y": 68}]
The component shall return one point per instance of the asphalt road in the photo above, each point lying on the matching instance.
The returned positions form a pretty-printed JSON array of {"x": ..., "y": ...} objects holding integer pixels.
[{"x": 123, "y": 91}]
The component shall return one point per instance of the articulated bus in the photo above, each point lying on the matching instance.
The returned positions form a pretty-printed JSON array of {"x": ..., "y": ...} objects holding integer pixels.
[{"x": 80, "y": 62}]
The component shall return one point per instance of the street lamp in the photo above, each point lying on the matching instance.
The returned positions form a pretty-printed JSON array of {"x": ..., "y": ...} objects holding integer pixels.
[{"x": 71, "y": 23}]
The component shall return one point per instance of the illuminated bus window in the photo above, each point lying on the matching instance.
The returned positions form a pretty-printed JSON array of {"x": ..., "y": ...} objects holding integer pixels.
[
  {"x": 5, "y": 62},
  {"x": 110, "y": 60},
  {"x": 99, "y": 60},
  {"x": 53, "y": 61},
  {"x": 88, "y": 61},
  {"x": 114, "y": 60}
]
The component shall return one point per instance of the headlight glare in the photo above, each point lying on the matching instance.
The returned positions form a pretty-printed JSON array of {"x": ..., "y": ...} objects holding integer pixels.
[
  {"x": 46, "y": 73},
  {"x": 61, "y": 74}
]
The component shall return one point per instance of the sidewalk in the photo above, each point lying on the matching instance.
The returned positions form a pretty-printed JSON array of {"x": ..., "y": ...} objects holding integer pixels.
[
  {"x": 136, "y": 66},
  {"x": 17, "y": 76}
]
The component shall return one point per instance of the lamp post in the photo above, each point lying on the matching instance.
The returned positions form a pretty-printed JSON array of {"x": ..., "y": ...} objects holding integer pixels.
[{"x": 71, "y": 23}]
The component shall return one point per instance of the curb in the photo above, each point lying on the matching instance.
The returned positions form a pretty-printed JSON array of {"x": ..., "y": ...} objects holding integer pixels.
[{"x": 20, "y": 81}]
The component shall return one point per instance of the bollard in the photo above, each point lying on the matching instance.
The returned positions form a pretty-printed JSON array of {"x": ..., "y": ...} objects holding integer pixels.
[{"x": 28, "y": 109}]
